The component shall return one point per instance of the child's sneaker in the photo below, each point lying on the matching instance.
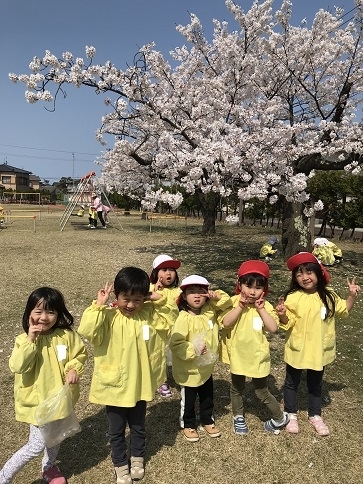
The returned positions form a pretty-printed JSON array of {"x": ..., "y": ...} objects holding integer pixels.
[
  {"x": 164, "y": 390},
  {"x": 137, "y": 470},
  {"x": 318, "y": 423},
  {"x": 274, "y": 427},
  {"x": 191, "y": 435},
  {"x": 292, "y": 427},
  {"x": 122, "y": 475},
  {"x": 54, "y": 476},
  {"x": 212, "y": 430},
  {"x": 239, "y": 425}
]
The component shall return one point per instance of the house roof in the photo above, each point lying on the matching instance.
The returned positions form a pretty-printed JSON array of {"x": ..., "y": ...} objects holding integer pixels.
[
  {"x": 5, "y": 168},
  {"x": 34, "y": 178}
]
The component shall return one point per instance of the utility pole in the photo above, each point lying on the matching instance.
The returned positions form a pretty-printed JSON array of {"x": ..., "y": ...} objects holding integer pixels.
[{"x": 73, "y": 177}]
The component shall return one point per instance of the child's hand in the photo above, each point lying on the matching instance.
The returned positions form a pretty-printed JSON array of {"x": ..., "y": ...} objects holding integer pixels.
[
  {"x": 280, "y": 307},
  {"x": 34, "y": 330},
  {"x": 354, "y": 289},
  {"x": 242, "y": 303},
  {"x": 159, "y": 285},
  {"x": 212, "y": 295},
  {"x": 154, "y": 296},
  {"x": 72, "y": 377},
  {"x": 103, "y": 294},
  {"x": 260, "y": 302}
]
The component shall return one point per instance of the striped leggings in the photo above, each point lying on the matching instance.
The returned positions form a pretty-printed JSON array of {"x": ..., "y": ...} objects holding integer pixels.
[{"x": 31, "y": 449}]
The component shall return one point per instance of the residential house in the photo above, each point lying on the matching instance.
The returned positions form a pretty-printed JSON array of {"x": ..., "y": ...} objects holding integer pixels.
[{"x": 13, "y": 178}]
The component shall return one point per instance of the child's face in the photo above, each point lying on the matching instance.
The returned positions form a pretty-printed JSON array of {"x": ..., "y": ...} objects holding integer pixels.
[
  {"x": 43, "y": 318},
  {"x": 129, "y": 304},
  {"x": 252, "y": 293},
  {"x": 166, "y": 276},
  {"x": 195, "y": 296},
  {"x": 306, "y": 279}
]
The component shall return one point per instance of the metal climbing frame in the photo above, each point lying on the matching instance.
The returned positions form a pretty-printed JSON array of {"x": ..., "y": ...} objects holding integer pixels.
[{"x": 86, "y": 185}]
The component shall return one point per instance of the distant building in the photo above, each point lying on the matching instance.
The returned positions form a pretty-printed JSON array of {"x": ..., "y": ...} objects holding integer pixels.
[
  {"x": 34, "y": 182},
  {"x": 13, "y": 178}
]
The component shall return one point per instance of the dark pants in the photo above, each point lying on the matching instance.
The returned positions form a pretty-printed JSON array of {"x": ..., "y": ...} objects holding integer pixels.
[
  {"x": 118, "y": 417},
  {"x": 314, "y": 380},
  {"x": 100, "y": 218},
  {"x": 206, "y": 406}
]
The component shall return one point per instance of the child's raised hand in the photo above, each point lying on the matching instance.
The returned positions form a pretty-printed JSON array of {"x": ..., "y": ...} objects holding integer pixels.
[
  {"x": 280, "y": 307},
  {"x": 103, "y": 294},
  {"x": 354, "y": 289},
  {"x": 72, "y": 377},
  {"x": 242, "y": 303},
  {"x": 213, "y": 295},
  {"x": 159, "y": 285},
  {"x": 260, "y": 302},
  {"x": 34, "y": 330}
]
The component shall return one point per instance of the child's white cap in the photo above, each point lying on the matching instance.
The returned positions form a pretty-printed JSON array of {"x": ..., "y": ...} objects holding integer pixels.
[
  {"x": 163, "y": 261},
  {"x": 193, "y": 280}
]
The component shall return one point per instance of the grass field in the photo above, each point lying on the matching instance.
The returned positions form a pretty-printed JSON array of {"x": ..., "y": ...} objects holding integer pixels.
[{"x": 78, "y": 261}]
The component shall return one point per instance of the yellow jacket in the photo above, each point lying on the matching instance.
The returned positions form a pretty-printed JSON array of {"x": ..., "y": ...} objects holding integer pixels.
[
  {"x": 129, "y": 361},
  {"x": 245, "y": 346},
  {"x": 325, "y": 255},
  {"x": 186, "y": 371},
  {"x": 310, "y": 340},
  {"x": 38, "y": 372},
  {"x": 267, "y": 250},
  {"x": 172, "y": 295}
]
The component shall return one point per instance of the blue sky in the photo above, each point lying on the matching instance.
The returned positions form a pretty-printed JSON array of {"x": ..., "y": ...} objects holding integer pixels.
[{"x": 62, "y": 143}]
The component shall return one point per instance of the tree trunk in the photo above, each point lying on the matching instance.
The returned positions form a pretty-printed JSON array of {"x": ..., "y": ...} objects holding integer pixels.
[
  {"x": 209, "y": 204},
  {"x": 296, "y": 235}
]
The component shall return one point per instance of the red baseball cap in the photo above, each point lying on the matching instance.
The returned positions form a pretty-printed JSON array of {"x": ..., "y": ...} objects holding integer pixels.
[
  {"x": 304, "y": 258},
  {"x": 252, "y": 267}
]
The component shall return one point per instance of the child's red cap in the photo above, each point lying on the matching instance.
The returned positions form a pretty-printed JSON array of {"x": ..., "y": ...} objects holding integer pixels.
[
  {"x": 252, "y": 267},
  {"x": 305, "y": 258}
]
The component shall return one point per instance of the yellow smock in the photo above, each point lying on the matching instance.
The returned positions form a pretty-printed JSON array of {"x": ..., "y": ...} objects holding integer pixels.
[
  {"x": 38, "y": 371},
  {"x": 186, "y": 371},
  {"x": 129, "y": 357},
  {"x": 244, "y": 345},
  {"x": 310, "y": 339},
  {"x": 267, "y": 250}
]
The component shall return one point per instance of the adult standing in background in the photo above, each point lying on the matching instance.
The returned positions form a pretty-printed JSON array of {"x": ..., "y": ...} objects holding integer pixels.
[{"x": 97, "y": 205}]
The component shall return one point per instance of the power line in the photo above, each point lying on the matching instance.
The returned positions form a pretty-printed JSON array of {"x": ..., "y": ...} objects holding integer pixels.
[
  {"x": 14, "y": 155},
  {"x": 45, "y": 149}
]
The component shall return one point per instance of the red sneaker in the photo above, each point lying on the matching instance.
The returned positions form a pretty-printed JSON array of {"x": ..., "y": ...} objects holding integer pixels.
[{"x": 54, "y": 476}]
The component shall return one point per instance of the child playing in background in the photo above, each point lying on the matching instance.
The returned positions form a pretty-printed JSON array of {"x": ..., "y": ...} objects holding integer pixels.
[
  {"x": 194, "y": 346},
  {"x": 92, "y": 217},
  {"x": 308, "y": 316},
  {"x": 129, "y": 361},
  {"x": 268, "y": 250},
  {"x": 40, "y": 365},
  {"x": 247, "y": 346},
  {"x": 80, "y": 212},
  {"x": 164, "y": 279},
  {"x": 327, "y": 252}
]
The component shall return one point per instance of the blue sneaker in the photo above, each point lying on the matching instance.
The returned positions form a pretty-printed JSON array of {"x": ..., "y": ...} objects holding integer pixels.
[
  {"x": 274, "y": 427},
  {"x": 239, "y": 425}
]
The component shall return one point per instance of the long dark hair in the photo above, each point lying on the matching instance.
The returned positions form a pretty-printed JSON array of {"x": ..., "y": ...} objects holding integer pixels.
[
  {"x": 325, "y": 294},
  {"x": 52, "y": 300}
]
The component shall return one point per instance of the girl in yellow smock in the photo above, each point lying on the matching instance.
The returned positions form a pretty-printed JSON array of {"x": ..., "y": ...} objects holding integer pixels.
[{"x": 308, "y": 316}]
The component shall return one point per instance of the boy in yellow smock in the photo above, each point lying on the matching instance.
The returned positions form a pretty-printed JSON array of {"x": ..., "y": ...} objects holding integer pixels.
[{"x": 129, "y": 361}]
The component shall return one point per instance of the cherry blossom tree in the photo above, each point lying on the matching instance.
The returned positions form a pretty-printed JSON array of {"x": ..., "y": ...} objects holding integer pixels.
[{"x": 253, "y": 111}]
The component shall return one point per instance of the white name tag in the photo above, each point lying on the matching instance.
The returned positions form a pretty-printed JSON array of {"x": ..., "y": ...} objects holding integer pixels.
[
  {"x": 323, "y": 312},
  {"x": 146, "y": 332},
  {"x": 257, "y": 323},
  {"x": 61, "y": 352},
  {"x": 210, "y": 324}
]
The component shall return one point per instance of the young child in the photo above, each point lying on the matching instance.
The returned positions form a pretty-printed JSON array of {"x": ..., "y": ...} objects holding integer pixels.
[
  {"x": 268, "y": 251},
  {"x": 129, "y": 361},
  {"x": 247, "y": 346},
  {"x": 308, "y": 316},
  {"x": 194, "y": 346},
  {"x": 92, "y": 217},
  {"x": 80, "y": 212},
  {"x": 164, "y": 279},
  {"x": 327, "y": 252},
  {"x": 41, "y": 365}
]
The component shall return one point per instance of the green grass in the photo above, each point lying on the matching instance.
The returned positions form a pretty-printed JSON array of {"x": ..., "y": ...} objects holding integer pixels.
[{"x": 78, "y": 261}]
